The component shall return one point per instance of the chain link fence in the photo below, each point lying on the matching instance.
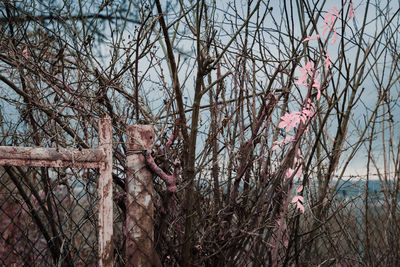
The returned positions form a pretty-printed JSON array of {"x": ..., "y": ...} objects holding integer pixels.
[
  {"x": 361, "y": 227},
  {"x": 49, "y": 216}
]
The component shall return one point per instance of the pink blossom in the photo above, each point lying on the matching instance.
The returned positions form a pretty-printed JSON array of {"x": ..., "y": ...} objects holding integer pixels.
[
  {"x": 316, "y": 83},
  {"x": 329, "y": 20},
  {"x": 291, "y": 120},
  {"x": 303, "y": 71},
  {"x": 290, "y": 172}
]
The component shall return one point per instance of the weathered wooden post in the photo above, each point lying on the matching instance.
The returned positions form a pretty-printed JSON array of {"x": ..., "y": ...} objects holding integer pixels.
[
  {"x": 139, "y": 200},
  {"x": 105, "y": 193}
]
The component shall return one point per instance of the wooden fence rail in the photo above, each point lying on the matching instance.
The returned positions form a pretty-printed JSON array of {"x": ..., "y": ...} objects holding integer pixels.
[{"x": 100, "y": 158}]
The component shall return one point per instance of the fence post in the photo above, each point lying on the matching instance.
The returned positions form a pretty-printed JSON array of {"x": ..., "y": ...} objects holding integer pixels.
[
  {"x": 139, "y": 200},
  {"x": 105, "y": 192}
]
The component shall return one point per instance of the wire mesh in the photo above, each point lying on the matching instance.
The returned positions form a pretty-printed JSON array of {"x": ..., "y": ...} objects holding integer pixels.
[
  {"x": 360, "y": 228},
  {"x": 49, "y": 216},
  {"x": 139, "y": 220}
]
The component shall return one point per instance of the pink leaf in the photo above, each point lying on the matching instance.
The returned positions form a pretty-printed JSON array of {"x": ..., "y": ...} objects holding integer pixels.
[
  {"x": 328, "y": 63},
  {"x": 25, "y": 53},
  {"x": 303, "y": 71},
  {"x": 308, "y": 113},
  {"x": 330, "y": 19},
  {"x": 300, "y": 207},
  {"x": 328, "y": 60},
  {"x": 290, "y": 120},
  {"x": 289, "y": 173},
  {"x": 308, "y": 66},
  {"x": 326, "y": 28},
  {"x": 334, "y": 11},
  {"x": 316, "y": 83},
  {"x": 282, "y": 124},
  {"x": 299, "y": 153},
  {"x": 335, "y": 36},
  {"x": 299, "y": 188},
  {"x": 279, "y": 143},
  {"x": 351, "y": 11},
  {"x": 299, "y": 171},
  {"x": 302, "y": 80},
  {"x": 309, "y": 38},
  {"x": 288, "y": 139},
  {"x": 297, "y": 199}
]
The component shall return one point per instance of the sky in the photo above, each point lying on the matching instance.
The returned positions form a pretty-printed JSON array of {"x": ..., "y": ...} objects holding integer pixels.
[{"x": 228, "y": 13}]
